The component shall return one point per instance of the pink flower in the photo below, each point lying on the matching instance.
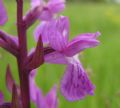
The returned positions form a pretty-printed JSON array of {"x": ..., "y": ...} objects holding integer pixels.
[
  {"x": 41, "y": 101},
  {"x": 75, "y": 84},
  {"x": 49, "y": 9}
]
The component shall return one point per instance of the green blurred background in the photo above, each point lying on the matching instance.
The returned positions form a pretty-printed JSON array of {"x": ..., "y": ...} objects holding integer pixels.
[{"x": 102, "y": 62}]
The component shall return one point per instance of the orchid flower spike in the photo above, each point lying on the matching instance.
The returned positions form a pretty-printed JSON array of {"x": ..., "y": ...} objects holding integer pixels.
[
  {"x": 49, "y": 9},
  {"x": 3, "y": 14},
  {"x": 41, "y": 101},
  {"x": 75, "y": 84}
]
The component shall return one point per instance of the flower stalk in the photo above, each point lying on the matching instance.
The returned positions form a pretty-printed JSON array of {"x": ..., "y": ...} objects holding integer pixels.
[{"x": 23, "y": 71}]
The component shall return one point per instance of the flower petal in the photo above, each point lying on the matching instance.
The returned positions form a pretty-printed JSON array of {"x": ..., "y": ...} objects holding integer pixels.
[
  {"x": 56, "y": 40},
  {"x": 80, "y": 43},
  {"x": 46, "y": 14},
  {"x": 58, "y": 33},
  {"x": 87, "y": 36},
  {"x": 51, "y": 98},
  {"x": 33, "y": 86},
  {"x": 42, "y": 29},
  {"x": 55, "y": 58},
  {"x": 63, "y": 26},
  {"x": 35, "y": 92},
  {"x": 35, "y": 3},
  {"x": 55, "y": 33},
  {"x": 56, "y": 5},
  {"x": 3, "y": 14},
  {"x": 40, "y": 102},
  {"x": 49, "y": 9},
  {"x": 75, "y": 84},
  {"x": 1, "y": 98}
]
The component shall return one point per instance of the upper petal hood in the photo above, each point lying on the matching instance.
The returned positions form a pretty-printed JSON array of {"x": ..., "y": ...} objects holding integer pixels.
[
  {"x": 55, "y": 33},
  {"x": 58, "y": 33}
]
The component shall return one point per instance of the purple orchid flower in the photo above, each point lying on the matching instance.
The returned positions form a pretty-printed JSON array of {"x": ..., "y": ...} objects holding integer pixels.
[
  {"x": 48, "y": 101},
  {"x": 3, "y": 14},
  {"x": 50, "y": 8},
  {"x": 75, "y": 84}
]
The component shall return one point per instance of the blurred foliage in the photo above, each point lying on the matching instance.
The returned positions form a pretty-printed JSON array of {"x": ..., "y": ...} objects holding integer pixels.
[
  {"x": 86, "y": 0},
  {"x": 95, "y": 1}
]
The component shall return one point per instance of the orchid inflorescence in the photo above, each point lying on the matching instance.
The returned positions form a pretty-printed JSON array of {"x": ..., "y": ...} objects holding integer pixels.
[{"x": 53, "y": 46}]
